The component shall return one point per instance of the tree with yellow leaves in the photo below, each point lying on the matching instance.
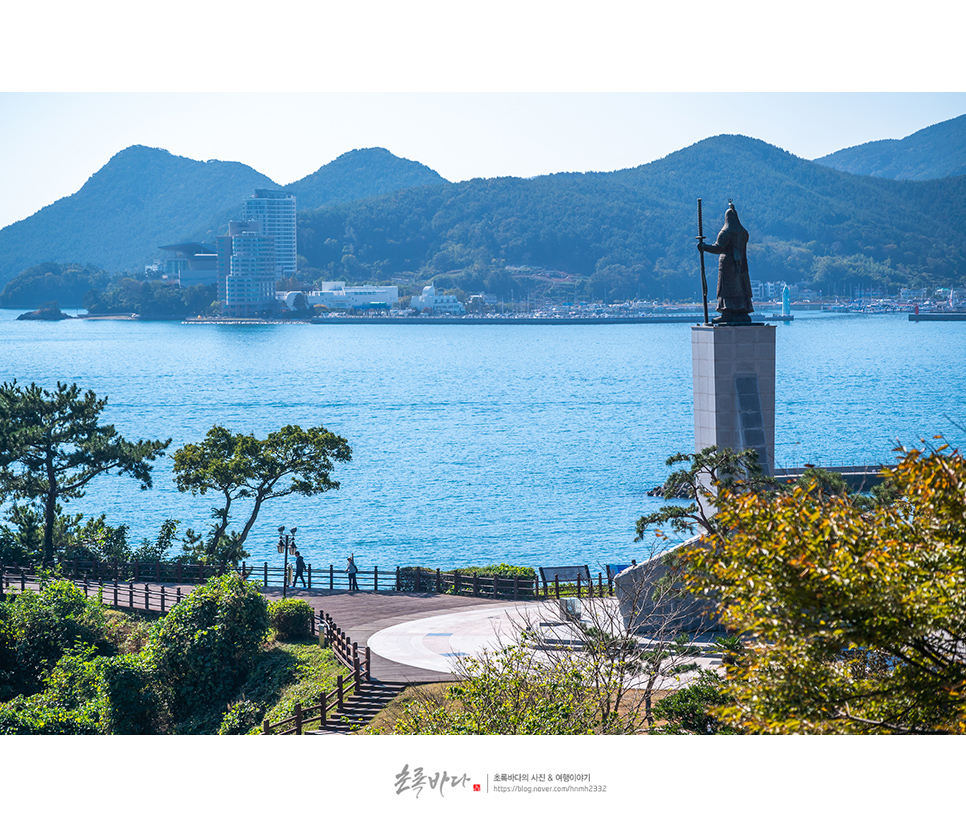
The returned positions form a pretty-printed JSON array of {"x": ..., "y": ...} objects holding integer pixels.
[{"x": 853, "y": 614}]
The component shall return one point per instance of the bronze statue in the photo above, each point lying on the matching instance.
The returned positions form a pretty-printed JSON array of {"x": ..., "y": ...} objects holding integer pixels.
[{"x": 734, "y": 285}]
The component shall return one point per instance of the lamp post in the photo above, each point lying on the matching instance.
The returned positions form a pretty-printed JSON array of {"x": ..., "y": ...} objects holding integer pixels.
[{"x": 286, "y": 545}]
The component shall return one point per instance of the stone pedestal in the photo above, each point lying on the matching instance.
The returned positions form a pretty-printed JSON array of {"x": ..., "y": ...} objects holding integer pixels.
[{"x": 734, "y": 389}]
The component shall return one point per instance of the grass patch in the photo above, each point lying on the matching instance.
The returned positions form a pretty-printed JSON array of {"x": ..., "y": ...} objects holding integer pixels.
[{"x": 293, "y": 673}]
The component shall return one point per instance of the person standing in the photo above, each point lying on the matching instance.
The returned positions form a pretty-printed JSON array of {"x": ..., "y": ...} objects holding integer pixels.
[
  {"x": 352, "y": 570},
  {"x": 299, "y": 570}
]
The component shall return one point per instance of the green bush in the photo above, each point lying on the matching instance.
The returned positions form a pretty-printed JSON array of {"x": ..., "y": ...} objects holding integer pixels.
[
  {"x": 38, "y": 628},
  {"x": 132, "y": 702},
  {"x": 208, "y": 643},
  {"x": 291, "y": 618},
  {"x": 241, "y": 719},
  {"x": 35, "y": 716}
]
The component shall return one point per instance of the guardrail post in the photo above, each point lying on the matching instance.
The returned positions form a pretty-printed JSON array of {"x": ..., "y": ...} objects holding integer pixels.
[
  {"x": 147, "y": 597},
  {"x": 266, "y": 576},
  {"x": 162, "y": 599},
  {"x": 338, "y": 693},
  {"x": 310, "y": 576},
  {"x": 516, "y": 587},
  {"x": 397, "y": 578},
  {"x": 578, "y": 586},
  {"x": 115, "y": 588},
  {"x": 130, "y": 595},
  {"x": 356, "y": 671},
  {"x": 331, "y": 577},
  {"x": 368, "y": 664},
  {"x": 375, "y": 578},
  {"x": 177, "y": 596},
  {"x": 298, "y": 718},
  {"x": 556, "y": 586},
  {"x": 476, "y": 585},
  {"x": 456, "y": 582},
  {"x": 266, "y": 728},
  {"x": 439, "y": 581},
  {"x": 323, "y": 707}
]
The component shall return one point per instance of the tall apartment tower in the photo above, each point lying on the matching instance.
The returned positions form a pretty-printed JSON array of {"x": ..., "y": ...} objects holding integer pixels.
[
  {"x": 275, "y": 211},
  {"x": 246, "y": 269}
]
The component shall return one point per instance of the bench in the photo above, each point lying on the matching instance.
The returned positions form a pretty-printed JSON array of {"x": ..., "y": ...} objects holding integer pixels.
[{"x": 565, "y": 574}]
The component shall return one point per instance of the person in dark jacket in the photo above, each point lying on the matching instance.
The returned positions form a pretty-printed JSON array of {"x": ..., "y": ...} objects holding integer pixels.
[
  {"x": 299, "y": 570},
  {"x": 734, "y": 284}
]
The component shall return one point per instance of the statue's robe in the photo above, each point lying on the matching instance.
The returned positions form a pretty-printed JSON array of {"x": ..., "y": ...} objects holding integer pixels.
[{"x": 734, "y": 285}]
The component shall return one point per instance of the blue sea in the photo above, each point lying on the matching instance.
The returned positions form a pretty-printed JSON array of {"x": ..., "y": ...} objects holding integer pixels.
[{"x": 533, "y": 445}]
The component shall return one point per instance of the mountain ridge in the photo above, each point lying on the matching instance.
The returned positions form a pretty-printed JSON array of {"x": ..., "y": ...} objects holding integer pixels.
[{"x": 368, "y": 214}]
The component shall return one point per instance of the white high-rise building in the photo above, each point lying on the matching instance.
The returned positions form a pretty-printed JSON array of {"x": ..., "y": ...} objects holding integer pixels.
[{"x": 275, "y": 211}]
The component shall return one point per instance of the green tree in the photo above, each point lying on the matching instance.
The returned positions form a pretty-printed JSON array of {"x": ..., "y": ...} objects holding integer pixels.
[
  {"x": 708, "y": 471},
  {"x": 52, "y": 445},
  {"x": 853, "y": 614},
  {"x": 289, "y": 461}
]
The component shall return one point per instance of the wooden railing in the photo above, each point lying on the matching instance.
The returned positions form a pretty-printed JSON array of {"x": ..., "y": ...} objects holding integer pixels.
[
  {"x": 348, "y": 654},
  {"x": 131, "y": 581},
  {"x": 421, "y": 580},
  {"x": 136, "y": 596}
]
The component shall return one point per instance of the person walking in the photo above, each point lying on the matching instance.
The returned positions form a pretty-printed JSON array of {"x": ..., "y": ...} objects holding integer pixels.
[
  {"x": 299, "y": 570},
  {"x": 352, "y": 570}
]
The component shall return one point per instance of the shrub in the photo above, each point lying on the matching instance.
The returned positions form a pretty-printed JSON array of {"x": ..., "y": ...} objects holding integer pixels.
[
  {"x": 209, "y": 642},
  {"x": 132, "y": 703},
  {"x": 291, "y": 618},
  {"x": 242, "y": 717},
  {"x": 34, "y": 716},
  {"x": 38, "y": 628}
]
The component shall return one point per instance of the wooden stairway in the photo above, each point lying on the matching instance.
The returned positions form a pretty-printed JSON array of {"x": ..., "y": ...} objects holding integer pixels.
[{"x": 360, "y": 708}]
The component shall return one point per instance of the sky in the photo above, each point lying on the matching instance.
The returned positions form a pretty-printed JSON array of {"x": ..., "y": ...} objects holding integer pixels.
[{"x": 510, "y": 91}]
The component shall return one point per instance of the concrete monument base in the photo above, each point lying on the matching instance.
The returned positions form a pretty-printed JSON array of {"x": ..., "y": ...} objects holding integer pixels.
[{"x": 734, "y": 389}]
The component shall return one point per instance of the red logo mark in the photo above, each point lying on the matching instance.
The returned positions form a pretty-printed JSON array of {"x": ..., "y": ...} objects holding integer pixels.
[{"x": 476, "y": 787}]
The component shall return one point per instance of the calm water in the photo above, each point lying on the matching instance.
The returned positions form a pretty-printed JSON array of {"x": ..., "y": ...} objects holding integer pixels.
[{"x": 476, "y": 445}]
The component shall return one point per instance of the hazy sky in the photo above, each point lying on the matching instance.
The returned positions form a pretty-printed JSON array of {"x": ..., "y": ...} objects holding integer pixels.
[{"x": 471, "y": 61}]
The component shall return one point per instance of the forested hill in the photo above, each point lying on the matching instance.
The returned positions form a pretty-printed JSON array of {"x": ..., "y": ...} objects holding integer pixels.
[
  {"x": 614, "y": 235},
  {"x": 634, "y": 230},
  {"x": 934, "y": 152},
  {"x": 144, "y": 198},
  {"x": 141, "y": 199},
  {"x": 359, "y": 174}
]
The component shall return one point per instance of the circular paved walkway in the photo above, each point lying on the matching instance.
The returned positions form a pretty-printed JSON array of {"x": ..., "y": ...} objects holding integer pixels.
[{"x": 413, "y": 638}]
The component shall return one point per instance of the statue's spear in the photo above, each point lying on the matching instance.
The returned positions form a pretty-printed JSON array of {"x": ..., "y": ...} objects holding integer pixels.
[{"x": 704, "y": 280}]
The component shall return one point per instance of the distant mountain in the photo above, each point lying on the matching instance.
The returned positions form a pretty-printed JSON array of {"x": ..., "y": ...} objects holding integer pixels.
[
  {"x": 144, "y": 198},
  {"x": 359, "y": 174},
  {"x": 369, "y": 215},
  {"x": 633, "y": 231},
  {"x": 141, "y": 199},
  {"x": 934, "y": 152}
]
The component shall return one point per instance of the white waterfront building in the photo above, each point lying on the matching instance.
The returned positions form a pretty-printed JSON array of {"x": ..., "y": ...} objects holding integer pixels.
[
  {"x": 429, "y": 301},
  {"x": 337, "y": 296}
]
